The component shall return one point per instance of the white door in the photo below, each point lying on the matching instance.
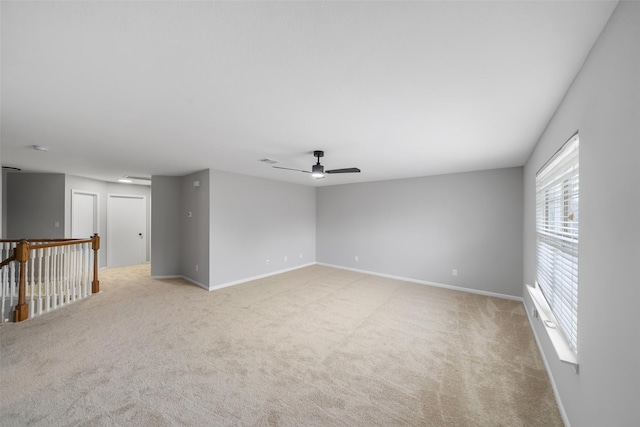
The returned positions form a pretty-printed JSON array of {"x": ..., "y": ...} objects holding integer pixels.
[
  {"x": 84, "y": 214},
  {"x": 126, "y": 230}
]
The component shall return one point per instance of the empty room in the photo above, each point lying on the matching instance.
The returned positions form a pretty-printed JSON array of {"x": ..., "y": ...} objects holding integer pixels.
[{"x": 340, "y": 213}]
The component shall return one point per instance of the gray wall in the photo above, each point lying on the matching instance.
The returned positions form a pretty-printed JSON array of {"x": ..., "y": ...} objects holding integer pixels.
[
  {"x": 195, "y": 229},
  {"x": 3, "y": 211},
  {"x": 103, "y": 188},
  {"x": 27, "y": 193},
  {"x": 2, "y": 195},
  {"x": 603, "y": 103},
  {"x": 180, "y": 242},
  {"x": 423, "y": 228},
  {"x": 253, "y": 220},
  {"x": 35, "y": 205},
  {"x": 166, "y": 228}
]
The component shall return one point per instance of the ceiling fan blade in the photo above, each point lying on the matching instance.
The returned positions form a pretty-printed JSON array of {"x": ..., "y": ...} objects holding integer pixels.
[
  {"x": 347, "y": 170},
  {"x": 290, "y": 169}
]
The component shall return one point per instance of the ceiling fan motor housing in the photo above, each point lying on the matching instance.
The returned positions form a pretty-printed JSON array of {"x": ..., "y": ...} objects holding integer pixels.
[{"x": 317, "y": 168}]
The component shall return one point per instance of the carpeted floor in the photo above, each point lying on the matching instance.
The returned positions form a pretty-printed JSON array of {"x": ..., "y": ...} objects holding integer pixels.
[{"x": 316, "y": 346}]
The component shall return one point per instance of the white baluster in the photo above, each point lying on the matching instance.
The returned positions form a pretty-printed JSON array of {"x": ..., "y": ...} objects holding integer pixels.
[
  {"x": 61, "y": 293},
  {"x": 81, "y": 280},
  {"x": 81, "y": 270},
  {"x": 70, "y": 277},
  {"x": 67, "y": 274},
  {"x": 47, "y": 289},
  {"x": 74, "y": 271},
  {"x": 5, "y": 291},
  {"x": 74, "y": 282},
  {"x": 5, "y": 281},
  {"x": 39, "y": 258},
  {"x": 64, "y": 291},
  {"x": 65, "y": 279},
  {"x": 54, "y": 278},
  {"x": 87, "y": 269},
  {"x": 31, "y": 267},
  {"x": 60, "y": 276},
  {"x": 16, "y": 283}
]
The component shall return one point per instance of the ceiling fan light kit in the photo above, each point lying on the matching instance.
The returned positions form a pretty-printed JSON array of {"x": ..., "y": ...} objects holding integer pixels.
[{"x": 317, "y": 170}]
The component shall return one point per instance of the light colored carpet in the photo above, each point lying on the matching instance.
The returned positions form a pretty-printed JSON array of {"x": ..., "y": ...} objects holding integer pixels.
[{"x": 315, "y": 346}]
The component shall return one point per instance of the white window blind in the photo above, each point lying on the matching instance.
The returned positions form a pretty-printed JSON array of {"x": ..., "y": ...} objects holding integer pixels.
[{"x": 557, "y": 195}]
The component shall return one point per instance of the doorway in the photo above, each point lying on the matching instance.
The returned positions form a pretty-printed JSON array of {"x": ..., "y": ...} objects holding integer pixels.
[
  {"x": 126, "y": 230},
  {"x": 84, "y": 214}
]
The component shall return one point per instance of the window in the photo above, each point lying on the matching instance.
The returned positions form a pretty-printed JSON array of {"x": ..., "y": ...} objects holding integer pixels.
[{"x": 557, "y": 213}]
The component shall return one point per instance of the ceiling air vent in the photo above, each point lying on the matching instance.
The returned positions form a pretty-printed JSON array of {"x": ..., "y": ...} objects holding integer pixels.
[{"x": 268, "y": 161}]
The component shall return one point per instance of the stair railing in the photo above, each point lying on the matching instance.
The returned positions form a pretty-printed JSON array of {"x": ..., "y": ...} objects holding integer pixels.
[{"x": 40, "y": 275}]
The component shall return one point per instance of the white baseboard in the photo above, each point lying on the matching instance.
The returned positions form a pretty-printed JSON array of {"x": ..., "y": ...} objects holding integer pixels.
[
  {"x": 424, "y": 282},
  {"x": 554, "y": 387},
  {"x": 262, "y": 276},
  {"x": 203, "y": 286},
  {"x": 373, "y": 273}
]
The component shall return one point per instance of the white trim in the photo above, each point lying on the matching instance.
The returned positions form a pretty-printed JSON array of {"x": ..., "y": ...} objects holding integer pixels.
[
  {"x": 262, "y": 276},
  {"x": 203, "y": 286},
  {"x": 424, "y": 282},
  {"x": 559, "y": 342},
  {"x": 554, "y": 387},
  {"x": 557, "y": 248}
]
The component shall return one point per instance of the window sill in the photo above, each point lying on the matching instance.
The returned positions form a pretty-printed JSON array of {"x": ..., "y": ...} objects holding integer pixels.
[{"x": 543, "y": 312}]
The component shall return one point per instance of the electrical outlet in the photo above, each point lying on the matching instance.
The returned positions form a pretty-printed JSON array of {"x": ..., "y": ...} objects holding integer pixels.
[
  {"x": 285, "y": 258},
  {"x": 357, "y": 258},
  {"x": 268, "y": 262},
  {"x": 196, "y": 267},
  {"x": 534, "y": 313},
  {"x": 454, "y": 272},
  {"x": 300, "y": 255}
]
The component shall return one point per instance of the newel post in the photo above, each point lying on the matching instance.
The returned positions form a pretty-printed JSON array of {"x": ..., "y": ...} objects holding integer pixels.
[
  {"x": 22, "y": 255},
  {"x": 95, "y": 245}
]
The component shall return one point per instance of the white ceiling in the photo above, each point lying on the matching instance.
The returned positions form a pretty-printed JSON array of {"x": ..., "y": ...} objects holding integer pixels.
[{"x": 398, "y": 89}]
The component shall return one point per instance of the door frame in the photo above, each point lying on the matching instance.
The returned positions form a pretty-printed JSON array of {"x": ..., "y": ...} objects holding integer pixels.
[
  {"x": 110, "y": 227},
  {"x": 96, "y": 211}
]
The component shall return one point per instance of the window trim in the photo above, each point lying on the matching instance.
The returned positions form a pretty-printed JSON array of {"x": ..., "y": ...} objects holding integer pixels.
[
  {"x": 556, "y": 247},
  {"x": 543, "y": 312}
]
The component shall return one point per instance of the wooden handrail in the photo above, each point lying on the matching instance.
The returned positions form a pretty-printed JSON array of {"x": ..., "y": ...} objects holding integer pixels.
[
  {"x": 21, "y": 255},
  {"x": 41, "y": 240},
  {"x": 60, "y": 243},
  {"x": 8, "y": 260}
]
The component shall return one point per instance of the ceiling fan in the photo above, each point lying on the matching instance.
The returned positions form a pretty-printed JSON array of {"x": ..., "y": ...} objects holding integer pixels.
[{"x": 317, "y": 171}]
